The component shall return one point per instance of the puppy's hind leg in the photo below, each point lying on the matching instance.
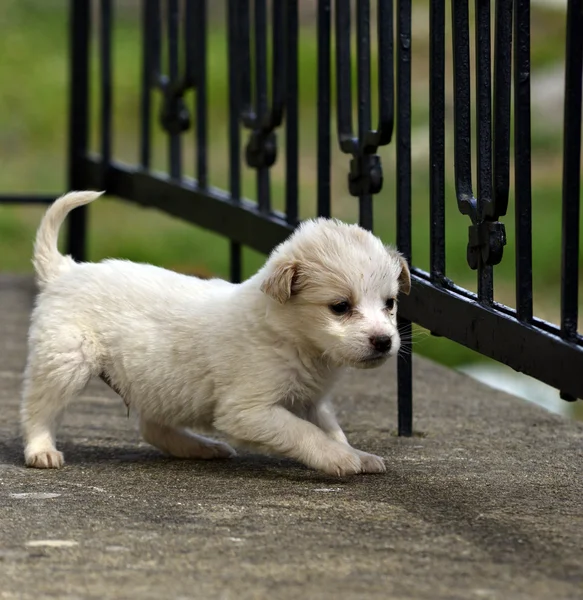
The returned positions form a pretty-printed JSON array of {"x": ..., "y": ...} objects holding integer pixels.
[
  {"x": 53, "y": 377},
  {"x": 182, "y": 443}
]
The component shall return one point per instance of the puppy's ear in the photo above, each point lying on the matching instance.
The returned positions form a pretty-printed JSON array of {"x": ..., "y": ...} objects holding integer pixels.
[
  {"x": 404, "y": 277},
  {"x": 279, "y": 283}
]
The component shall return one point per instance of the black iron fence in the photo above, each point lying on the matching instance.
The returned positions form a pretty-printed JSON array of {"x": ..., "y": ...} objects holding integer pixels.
[{"x": 174, "y": 61}]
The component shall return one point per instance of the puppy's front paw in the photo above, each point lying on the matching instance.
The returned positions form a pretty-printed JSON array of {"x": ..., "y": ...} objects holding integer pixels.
[
  {"x": 48, "y": 459},
  {"x": 371, "y": 463},
  {"x": 343, "y": 461}
]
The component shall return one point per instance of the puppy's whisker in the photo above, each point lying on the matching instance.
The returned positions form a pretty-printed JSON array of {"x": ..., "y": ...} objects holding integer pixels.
[
  {"x": 415, "y": 332},
  {"x": 413, "y": 340}
]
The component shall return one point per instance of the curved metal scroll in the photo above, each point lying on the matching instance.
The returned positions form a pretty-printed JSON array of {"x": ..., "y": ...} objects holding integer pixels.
[
  {"x": 487, "y": 236},
  {"x": 366, "y": 175},
  {"x": 258, "y": 116},
  {"x": 174, "y": 114}
]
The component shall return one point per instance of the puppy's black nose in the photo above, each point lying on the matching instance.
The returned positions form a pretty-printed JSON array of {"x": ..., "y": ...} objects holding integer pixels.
[{"x": 381, "y": 343}]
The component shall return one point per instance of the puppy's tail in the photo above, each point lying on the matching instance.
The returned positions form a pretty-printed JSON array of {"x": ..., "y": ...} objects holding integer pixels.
[{"x": 48, "y": 262}]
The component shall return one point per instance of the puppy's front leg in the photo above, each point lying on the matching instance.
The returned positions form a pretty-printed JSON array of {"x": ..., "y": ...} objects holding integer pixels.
[
  {"x": 278, "y": 430},
  {"x": 322, "y": 415}
]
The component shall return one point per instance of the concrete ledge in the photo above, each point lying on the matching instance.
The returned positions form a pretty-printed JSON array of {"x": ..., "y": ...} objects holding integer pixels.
[{"x": 485, "y": 502}]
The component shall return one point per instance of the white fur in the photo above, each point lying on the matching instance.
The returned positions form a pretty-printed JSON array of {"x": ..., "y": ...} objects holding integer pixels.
[{"x": 253, "y": 361}]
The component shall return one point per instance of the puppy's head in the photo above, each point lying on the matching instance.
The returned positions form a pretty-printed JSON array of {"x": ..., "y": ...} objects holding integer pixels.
[{"x": 336, "y": 286}]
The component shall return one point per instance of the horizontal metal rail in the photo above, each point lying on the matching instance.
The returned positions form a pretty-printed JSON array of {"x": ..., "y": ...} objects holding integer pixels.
[
  {"x": 27, "y": 198},
  {"x": 209, "y": 207}
]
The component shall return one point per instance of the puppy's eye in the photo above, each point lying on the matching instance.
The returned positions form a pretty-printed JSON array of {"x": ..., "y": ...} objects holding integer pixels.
[
  {"x": 390, "y": 303},
  {"x": 340, "y": 308}
]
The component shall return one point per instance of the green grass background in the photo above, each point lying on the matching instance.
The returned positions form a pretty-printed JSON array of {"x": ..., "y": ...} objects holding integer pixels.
[{"x": 33, "y": 129}]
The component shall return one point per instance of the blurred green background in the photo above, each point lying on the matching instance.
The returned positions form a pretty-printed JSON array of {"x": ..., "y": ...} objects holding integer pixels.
[{"x": 33, "y": 129}]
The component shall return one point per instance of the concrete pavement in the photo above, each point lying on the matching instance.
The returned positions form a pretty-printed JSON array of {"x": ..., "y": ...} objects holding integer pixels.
[{"x": 484, "y": 502}]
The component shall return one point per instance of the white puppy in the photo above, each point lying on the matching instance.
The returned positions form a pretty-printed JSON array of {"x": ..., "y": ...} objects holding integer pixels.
[{"x": 253, "y": 361}]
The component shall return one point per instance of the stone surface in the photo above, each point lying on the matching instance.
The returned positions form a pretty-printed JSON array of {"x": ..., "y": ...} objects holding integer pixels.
[{"x": 484, "y": 502}]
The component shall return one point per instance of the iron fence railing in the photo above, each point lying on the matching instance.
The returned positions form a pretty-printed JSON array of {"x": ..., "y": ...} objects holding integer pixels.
[{"x": 514, "y": 336}]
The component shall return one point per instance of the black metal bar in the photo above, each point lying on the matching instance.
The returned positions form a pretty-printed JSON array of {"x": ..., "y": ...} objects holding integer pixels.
[
  {"x": 346, "y": 139},
  {"x": 437, "y": 139},
  {"x": 404, "y": 128},
  {"x": 243, "y": 24},
  {"x": 485, "y": 283},
  {"x": 234, "y": 102},
  {"x": 284, "y": 39},
  {"x": 462, "y": 115},
  {"x": 191, "y": 21},
  {"x": 291, "y": 103},
  {"x": 236, "y": 262},
  {"x": 324, "y": 104},
  {"x": 363, "y": 66},
  {"x": 364, "y": 110},
  {"x": 263, "y": 179},
  {"x": 384, "y": 133},
  {"x": 502, "y": 83},
  {"x": 405, "y": 379},
  {"x": 199, "y": 32},
  {"x": 522, "y": 170},
  {"x": 572, "y": 174},
  {"x": 155, "y": 35},
  {"x": 79, "y": 33},
  {"x": 404, "y": 364},
  {"x": 148, "y": 79},
  {"x": 174, "y": 139},
  {"x": 483, "y": 107},
  {"x": 105, "y": 27},
  {"x": 484, "y": 136},
  {"x": 234, "y": 130}
]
